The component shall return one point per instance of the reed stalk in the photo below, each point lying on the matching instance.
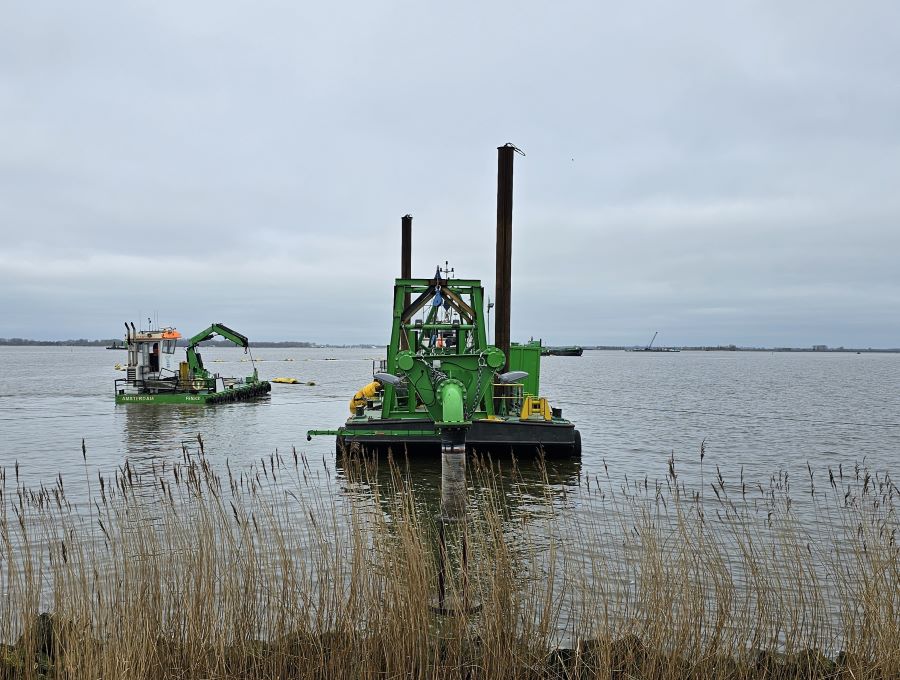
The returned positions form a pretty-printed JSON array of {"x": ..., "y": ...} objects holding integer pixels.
[{"x": 181, "y": 569}]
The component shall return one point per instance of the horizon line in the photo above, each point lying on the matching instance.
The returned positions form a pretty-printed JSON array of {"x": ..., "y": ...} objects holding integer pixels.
[{"x": 308, "y": 344}]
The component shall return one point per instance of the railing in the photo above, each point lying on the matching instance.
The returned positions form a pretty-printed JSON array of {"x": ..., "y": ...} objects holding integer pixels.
[
  {"x": 196, "y": 384},
  {"x": 508, "y": 398}
]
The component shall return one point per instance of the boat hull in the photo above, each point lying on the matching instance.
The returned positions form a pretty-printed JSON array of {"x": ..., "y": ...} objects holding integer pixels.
[
  {"x": 562, "y": 351},
  {"x": 245, "y": 393},
  {"x": 521, "y": 437}
]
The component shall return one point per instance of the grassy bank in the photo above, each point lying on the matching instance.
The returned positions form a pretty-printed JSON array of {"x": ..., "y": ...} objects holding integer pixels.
[{"x": 179, "y": 570}]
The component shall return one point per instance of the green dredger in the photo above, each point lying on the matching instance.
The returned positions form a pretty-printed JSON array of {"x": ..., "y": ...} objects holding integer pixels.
[{"x": 442, "y": 383}]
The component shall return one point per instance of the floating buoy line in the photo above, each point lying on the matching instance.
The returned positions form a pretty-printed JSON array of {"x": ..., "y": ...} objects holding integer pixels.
[{"x": 292, "y": 381}]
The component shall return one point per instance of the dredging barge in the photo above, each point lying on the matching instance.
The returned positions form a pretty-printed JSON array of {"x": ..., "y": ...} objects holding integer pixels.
[
  {"x": 152, "y": 376},
  {"x": 442, "y": 385},
  {"x": 569, "y": 351}
]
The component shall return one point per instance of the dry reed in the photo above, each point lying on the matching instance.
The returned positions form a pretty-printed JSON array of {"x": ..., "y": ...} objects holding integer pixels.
[{"x": 178, "y": 570}]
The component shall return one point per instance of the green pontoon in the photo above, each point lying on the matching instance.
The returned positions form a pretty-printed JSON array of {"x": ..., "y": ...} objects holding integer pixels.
[{"x": 153, "y": 377}]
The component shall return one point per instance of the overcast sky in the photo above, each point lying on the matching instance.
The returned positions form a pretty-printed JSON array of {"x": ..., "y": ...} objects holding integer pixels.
[{"x": 723, "y": 172}]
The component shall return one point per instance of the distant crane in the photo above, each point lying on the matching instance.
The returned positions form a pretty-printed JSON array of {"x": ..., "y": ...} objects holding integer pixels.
[{"x": 650, "y": 348}]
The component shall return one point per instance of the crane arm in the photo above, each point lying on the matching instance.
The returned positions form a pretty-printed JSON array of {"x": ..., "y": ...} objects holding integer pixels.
[
  {"x": 195, "y": 362},
  {"x": 224, "y": 331}
]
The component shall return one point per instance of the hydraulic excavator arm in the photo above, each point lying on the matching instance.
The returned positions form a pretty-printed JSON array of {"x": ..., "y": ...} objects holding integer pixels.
[{"x": 195, "y": 361}]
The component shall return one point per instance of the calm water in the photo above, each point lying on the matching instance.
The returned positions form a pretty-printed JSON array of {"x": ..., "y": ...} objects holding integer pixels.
[
  {"x": 762, "y": 411},
  {"x": 758, "y": 414}
]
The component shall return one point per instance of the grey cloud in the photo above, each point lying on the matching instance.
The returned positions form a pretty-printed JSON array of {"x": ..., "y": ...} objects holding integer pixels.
[{"x": 724, "y": 172}]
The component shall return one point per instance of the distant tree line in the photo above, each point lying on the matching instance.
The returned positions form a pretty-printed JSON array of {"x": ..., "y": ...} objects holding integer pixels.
[
  {"x": 227, "y": 343},
  {"x": 83, "y": 342}
]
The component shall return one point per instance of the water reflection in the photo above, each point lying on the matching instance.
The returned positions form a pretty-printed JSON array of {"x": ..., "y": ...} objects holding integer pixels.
[
  {"x": 472, "y": 514},
  {"x": 523, "y": 484},
  {"x": 152, "y": 430}
]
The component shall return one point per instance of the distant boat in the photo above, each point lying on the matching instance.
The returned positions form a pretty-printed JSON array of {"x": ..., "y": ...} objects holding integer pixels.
[
  {"x": 570, "y": 351},
  {"x": 651, "y": 348},
  {"x": 115, "y": 345},
  {"x": 155, "y": 376}
]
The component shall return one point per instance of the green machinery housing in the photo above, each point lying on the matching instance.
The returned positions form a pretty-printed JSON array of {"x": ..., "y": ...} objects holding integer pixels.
[{"x": 442, "y": 381}]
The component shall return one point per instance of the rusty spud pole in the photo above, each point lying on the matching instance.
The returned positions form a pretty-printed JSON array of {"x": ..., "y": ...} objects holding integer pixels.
[
  {"x": 406, "y": 251},
  {"x": 505, "y": 156}
]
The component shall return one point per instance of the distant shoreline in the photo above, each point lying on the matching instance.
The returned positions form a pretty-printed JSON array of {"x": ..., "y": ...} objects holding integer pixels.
[
  {"x": 22, "y": 342},
  {"x": 297, "y": 344},
  {"x": 733, "y": 348}
]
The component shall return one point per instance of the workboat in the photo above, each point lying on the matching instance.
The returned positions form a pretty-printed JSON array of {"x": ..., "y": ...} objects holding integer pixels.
[
  {"x": 443, "y": 386},
  {"x": 573, "y": 351},
  {"x": 152, "y": 375}
]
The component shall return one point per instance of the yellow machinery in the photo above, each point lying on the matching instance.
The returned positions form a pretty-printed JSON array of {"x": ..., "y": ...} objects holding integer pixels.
[
  {"x": 184, "y": 374},
  {"x": 536, "y": 407},
  {"x": 363, "y": 395}
]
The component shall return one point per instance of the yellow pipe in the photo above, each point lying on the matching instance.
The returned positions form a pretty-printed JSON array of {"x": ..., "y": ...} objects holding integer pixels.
[{"x": 363, "y": 395}]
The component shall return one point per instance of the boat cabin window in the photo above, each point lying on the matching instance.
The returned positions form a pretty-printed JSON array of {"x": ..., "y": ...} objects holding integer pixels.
[{"x": 168, "y": 346}]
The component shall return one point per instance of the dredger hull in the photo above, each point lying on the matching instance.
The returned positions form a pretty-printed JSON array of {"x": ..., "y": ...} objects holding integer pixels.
[{"x": 521, "y": 437}]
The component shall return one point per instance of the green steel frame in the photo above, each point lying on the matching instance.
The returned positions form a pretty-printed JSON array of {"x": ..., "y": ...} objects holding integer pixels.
[
  {"x": 450, "y": 391},
  {"x": 451, "y": 382}
]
